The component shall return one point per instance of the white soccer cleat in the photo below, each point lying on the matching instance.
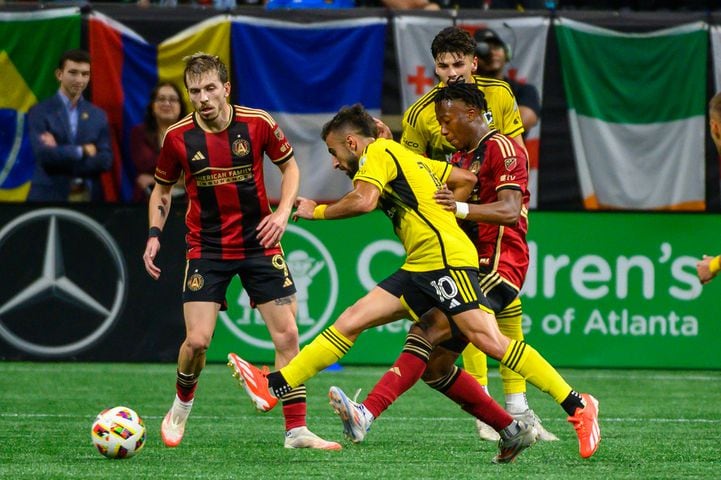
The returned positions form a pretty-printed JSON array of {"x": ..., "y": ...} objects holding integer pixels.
[
  {"x": 301, "y": 437},
  {"x": 510, "y": 445},
  {"x": 529, "y": 417},
  {"x": 486, "y": 432},
  {"x": 173, "y": 426},
  {"x": 356, "y": 419}
]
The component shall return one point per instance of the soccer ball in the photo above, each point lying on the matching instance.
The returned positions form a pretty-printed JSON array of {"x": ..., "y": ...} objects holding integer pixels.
[{"x": 118, "y": 432}]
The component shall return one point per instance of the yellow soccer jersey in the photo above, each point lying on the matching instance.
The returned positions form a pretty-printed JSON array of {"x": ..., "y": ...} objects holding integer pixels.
[
  {"x": 430, "y": 235},
  {"x": 422, "y": 133}
]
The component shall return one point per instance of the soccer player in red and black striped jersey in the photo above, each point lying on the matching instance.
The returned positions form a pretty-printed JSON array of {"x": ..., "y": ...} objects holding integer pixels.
[{"x": 231, "y": 231}]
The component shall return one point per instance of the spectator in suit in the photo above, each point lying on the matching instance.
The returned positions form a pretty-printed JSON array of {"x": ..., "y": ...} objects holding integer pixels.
[
  {"x": 165, "y": 108},
  {"x": 70, "y": 138}
]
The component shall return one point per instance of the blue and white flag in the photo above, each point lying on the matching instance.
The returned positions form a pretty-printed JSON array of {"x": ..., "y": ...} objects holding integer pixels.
[{"x": 302, "y": 74}]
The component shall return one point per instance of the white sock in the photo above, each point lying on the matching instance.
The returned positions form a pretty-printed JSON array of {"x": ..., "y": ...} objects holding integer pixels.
[
  {"x": 516, "y": 403},
  {"x": 181, "y": 408}
]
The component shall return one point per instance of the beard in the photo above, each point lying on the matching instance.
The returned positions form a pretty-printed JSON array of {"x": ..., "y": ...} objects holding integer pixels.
[{"x": 352, "y": 165}]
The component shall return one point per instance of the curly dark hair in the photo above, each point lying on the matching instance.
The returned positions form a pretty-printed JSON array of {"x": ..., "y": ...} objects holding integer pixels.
[
  {"x": 453, "y": 40},
  {"x": 353, "y": 118},
  {"x": 469, "y": 93}
]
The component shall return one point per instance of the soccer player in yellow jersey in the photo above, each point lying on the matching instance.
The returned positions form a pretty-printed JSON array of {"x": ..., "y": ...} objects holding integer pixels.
[
  {"x": 440, "y": 272},
  {"x": 453, "y": 51}
]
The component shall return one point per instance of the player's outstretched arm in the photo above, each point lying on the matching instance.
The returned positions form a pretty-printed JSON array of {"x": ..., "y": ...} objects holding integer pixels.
[
  {"x": 363, "y": 199},
  {"x": 708, "y": 268}
]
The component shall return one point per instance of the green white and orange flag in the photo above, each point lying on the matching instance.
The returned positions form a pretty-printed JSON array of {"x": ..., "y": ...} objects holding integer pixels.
[
  {"x": 31, "y": 44},
  {"x": 637, "y": 126}
]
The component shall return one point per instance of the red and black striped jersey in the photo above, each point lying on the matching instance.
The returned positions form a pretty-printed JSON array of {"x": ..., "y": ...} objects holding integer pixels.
[
  {"x": 499, "y": 163},
  {"x": 224, "y": 181}
]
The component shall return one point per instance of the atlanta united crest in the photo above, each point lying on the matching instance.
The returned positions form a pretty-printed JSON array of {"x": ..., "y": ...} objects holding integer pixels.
[
  {"x": 240, "y": 147},
  {"x": 195, "y": 282}
]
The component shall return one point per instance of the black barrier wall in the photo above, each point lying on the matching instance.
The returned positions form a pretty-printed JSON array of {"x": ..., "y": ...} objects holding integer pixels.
[{"x": 76, "y": 287}]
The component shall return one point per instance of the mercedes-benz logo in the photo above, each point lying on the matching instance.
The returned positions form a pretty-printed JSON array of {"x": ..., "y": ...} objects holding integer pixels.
[{"x": 55, "y": 286}]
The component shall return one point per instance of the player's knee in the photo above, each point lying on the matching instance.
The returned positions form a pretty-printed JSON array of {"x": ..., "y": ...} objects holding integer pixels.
[
  {"x": 352, "y": 321},
  {"x": 197, "y": 344},
  {"x": 286, "y": 341},
  {"x": 436, "y": 369}
]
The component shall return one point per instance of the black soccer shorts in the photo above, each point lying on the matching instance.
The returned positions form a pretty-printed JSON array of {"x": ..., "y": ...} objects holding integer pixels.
[
  {"x": 264, "y": 278},
  {"x": 451, "y": 290}
]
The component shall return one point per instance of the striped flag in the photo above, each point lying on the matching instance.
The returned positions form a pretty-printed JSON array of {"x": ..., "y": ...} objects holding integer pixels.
[
  {"x": 124, "y": 73},
  {"x": 126, "y": 68},
  {"x": 210, "y": 36},
  {"x": 28, "y": 72},
  {"x": 716, "y": 55},
  {"x": 637, "y": 125},
  {"x": 302, "y": 74}
]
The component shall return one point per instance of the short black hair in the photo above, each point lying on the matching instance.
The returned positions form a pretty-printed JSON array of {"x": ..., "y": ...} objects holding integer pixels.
[
  {"x": 453, "y": 40},
  {"x": 353, "y": 118},
  {"x": 76, "y": 55},
  {"x": 469, "y": 93}
]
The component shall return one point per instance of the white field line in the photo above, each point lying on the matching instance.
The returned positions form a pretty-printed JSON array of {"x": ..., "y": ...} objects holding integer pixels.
[
  {"x": 352, "y": 371},
  {"x": 255, "y": 418}
]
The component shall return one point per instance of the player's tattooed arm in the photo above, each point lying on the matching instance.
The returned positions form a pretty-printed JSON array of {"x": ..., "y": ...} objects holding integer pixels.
[{"x": 162, "y": 208}]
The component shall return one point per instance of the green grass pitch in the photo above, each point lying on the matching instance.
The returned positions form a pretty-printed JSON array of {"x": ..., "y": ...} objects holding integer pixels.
[{"x": 655, "y": 424}]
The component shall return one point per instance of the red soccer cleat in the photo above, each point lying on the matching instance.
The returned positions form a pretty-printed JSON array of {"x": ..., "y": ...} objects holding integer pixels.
[
  {"x": 254, "y": 381},
  {"x": 585, "y": 421}
]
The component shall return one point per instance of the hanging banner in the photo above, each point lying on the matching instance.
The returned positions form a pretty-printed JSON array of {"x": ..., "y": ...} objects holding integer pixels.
[
  {"x": 124, "y": 75},
  {"x": 302, "y": 74},
  {"x": 28, "y": 72},
  {"x": 633, "y": 126},
  {"x": 715, "y": 32}
]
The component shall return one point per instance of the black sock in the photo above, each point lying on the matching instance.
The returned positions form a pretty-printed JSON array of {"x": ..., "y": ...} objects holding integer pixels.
[
  {"x": 572, "y": 402},
  {"x": 277, "y": 384}
]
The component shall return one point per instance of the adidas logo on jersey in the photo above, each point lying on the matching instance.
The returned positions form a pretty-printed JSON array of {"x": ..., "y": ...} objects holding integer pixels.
[{"x": 198, "y": 156}]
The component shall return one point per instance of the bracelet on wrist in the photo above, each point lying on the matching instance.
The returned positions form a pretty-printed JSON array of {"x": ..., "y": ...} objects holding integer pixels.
[
  {"x": 319, "y": 211},
  {"x": 154, "y": 232},
  {"x": 461, "y": 210}
]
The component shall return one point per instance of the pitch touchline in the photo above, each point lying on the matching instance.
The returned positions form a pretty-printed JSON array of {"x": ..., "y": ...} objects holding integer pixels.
[{"x": 394, "y": 418}]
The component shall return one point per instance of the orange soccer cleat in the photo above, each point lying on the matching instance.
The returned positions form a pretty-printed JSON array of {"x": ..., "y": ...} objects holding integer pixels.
[
  {"x": 254, "y": 381},
  {"x": 585, "y": 421}
]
